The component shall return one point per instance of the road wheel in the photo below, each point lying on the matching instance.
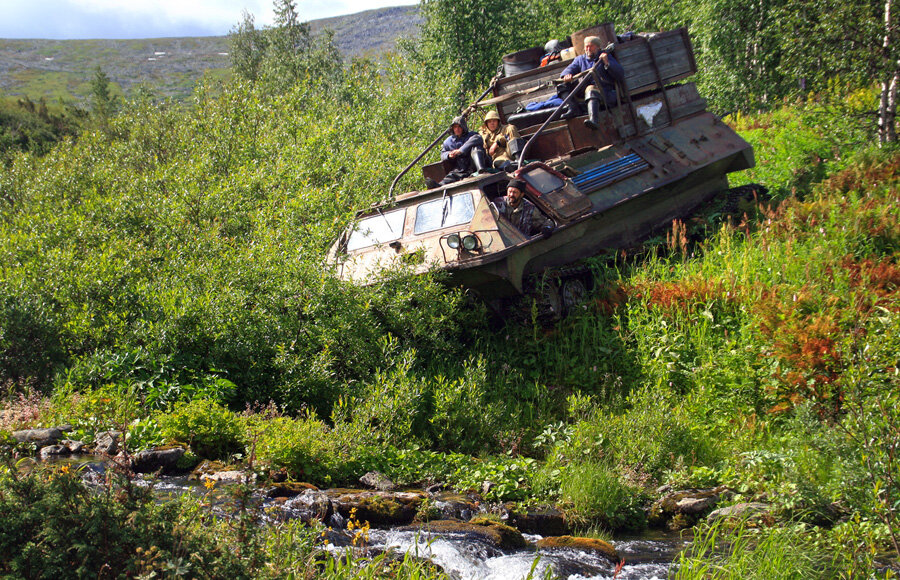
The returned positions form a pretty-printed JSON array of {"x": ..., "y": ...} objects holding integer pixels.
[{"x": 572, "y": 293}]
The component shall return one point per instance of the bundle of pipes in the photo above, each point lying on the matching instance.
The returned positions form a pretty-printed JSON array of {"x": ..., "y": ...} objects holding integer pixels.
[{"x": 610, "y": 172}]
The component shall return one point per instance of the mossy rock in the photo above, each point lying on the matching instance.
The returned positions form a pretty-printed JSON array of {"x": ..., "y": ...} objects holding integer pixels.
[
  {"x": 289, "y": 489},
  {"x": 584, "y": 544},
  {"x": 510, "y": 537},
  {"x": 379, "y": 508},
  {"x": 487, "y": 531}
]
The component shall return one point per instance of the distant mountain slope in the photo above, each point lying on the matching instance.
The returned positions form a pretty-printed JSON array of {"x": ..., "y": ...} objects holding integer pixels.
[{"x": 170, "y": 66}]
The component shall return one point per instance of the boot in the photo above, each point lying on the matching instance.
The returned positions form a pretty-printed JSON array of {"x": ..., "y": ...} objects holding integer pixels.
[
  {"x": 593, "y": 120},
  {"x": 572, "y": 110},
  {"x": 481, "y": 161}
]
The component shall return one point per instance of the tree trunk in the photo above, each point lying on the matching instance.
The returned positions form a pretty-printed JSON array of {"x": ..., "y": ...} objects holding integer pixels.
[{"x": 887, "y": 109}]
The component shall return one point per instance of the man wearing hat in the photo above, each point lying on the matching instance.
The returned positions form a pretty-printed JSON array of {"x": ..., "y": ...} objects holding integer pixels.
[
  {"x": 520, "y": 212},
  {"x": 609, "y": 72},
  {"x": 499, "y": 140},
  {"x": 465, "y": 149}
]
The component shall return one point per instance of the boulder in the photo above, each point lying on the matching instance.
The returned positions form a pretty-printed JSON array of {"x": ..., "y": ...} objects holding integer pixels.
[
  {"x": 40, "y": 437},
  {"x": 49, "y": 451},
  {"x": 544, "y": 521},
  {"x": 289, "y": 489},
  {"x": 455, "y": 506},
  {"x": 605, "y": 549},
  {"x": 107, "y": 442},
  {"x": 740, "y": 511},
  {"x": 74, "y": 447},
  {"x": 230, "y": 476},
  {"x": 311, "y": 505},
  {"x": 379, "y": 508},
  {"x": 683, "y": 508},
  {"x": 494, "y": 534},
  {"x": 377, "y": 480},
  {"x": 161, "y": 460}
]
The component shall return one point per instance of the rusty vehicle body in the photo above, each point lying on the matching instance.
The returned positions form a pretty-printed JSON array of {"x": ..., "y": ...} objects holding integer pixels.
[{"x": 656, "y": 157}]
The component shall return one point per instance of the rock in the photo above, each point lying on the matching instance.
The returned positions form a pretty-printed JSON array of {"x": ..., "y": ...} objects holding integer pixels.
[
  {"x": 289, "y": 489},
  {"x": 40, "y": 437},
  {"x": 456, "y": 506},
  {"x": 487, "y": 486},
  {"x": 696, "y": 505},
  {"x": 309, "y": 506},
  {"x": 231, "y": 476},
  {"x": 740, "y": 511},
  {"x": 494, "y": 534},
  {"x": 544, "y": 521},
  {"x": 53, "y": 451},
  {"x": 379, "y": 508},
  {"x": 436, "y": 487},
  {"x": 162, "y": 460},
  {"x": 74, "y": 447},
  {"x": 681, "y": 509},
  {"x": 377, "y": 480},
  {"x": 585, "y": 544},
  {"x": 107, "y": 442}
]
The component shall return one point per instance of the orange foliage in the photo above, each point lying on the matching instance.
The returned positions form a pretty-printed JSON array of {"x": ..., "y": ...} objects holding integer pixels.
[{"x": 684, "y": 295}]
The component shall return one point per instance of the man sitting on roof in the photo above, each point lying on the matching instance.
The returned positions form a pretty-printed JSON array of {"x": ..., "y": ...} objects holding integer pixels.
[
  {"x": 609, "y": 72},
  {"x": 499, "y": 140},
  {"x": 520, "y": 212},
  {"x": 465, "y": 149}
]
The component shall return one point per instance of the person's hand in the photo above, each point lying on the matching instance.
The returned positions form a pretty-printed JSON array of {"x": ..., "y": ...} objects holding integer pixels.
[
  {"x": 567, "y": 78},
  {"x": 493, "y": 149},
  {"x": 453, "y": 154},
  {"x": 604, "y": 58}
]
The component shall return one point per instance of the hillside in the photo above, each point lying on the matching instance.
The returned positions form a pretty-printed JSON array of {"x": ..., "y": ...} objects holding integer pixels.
[{"x": 171, "y": 66}]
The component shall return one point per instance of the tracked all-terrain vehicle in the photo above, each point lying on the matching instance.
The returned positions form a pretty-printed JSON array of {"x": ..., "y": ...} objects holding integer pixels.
[{"x": 654, "y": 158}]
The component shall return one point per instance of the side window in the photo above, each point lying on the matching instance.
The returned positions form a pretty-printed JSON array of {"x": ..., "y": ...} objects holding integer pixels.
[
  {"x": 377, "y": 229},
  {"x": 452, "y": 210}
]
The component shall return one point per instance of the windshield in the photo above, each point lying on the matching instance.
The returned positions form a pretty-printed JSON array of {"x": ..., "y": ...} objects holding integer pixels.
[
  {"x": 448, "y": 211},
  {"x": 543, "y": 181},
  {"x": 377, "y": 229}
]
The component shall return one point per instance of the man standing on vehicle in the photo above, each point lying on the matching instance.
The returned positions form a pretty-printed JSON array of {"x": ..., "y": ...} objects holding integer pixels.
[
  {"x": 465, "y": 149},
  {"x": 609, "y": 73},
  {"x": 520, "y": 212}
]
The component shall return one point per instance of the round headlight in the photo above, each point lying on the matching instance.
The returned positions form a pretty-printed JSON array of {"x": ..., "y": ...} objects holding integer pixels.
[
  {"x": 470, "y": 242},
  {"x": 453, "y": 241}
]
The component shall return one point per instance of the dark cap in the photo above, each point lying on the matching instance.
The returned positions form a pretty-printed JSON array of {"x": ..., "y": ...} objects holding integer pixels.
[{"x": 518, "y": 184}]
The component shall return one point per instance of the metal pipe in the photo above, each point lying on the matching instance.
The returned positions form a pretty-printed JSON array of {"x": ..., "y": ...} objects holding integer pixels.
[{"x": 465, "y": 112}]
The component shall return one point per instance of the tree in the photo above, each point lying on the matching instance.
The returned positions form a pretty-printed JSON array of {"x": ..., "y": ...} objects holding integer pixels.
[
  {"x": 284, "y": 54},
  {"x": 104, "y": 103},
  {"x": 854, "y": 41}
]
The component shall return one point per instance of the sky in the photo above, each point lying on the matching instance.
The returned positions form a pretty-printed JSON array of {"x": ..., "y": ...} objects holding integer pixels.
[{"x": 80, "y": 19}]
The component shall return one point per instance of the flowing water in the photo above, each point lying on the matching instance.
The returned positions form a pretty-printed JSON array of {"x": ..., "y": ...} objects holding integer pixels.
[{"x": 647, "y": 557}]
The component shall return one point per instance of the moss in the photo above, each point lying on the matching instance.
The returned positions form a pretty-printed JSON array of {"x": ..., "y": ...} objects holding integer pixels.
[
  {"x": 499, "y": 535},
  {"x": 586, "y": 544},
  {"x": 290, "y": 488}
]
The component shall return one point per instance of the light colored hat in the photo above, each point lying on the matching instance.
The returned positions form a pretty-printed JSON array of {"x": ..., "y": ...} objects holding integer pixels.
[{"x": 491, "y": 115}]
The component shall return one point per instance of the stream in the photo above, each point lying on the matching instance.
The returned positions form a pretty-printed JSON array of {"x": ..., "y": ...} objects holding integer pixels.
[{"x": 647, "y": 556}]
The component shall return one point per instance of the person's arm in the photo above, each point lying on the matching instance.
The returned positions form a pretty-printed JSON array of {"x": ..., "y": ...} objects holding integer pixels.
[
  {"x": 614, "y": 69},
  {"x": 446, "y": 148},
  {"x": 474, "y": 140},
  {"x": 573, "y": 68}
]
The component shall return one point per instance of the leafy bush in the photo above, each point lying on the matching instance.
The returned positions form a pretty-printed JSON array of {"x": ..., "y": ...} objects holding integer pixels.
[
  {"x": 304, "y": 446},
  {"x": 211, "y": 430},
  {"x": 52, "y": 526}
]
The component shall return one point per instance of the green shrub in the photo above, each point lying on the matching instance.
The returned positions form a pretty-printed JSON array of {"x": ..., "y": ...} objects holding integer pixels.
[
  {"x": 211, "y": 430},
  {"x": 304, "y": 446},
  {"x": 52, "y": 526}
]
